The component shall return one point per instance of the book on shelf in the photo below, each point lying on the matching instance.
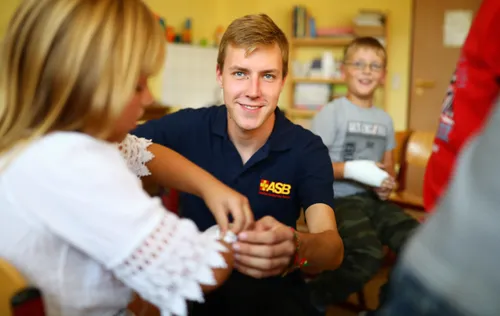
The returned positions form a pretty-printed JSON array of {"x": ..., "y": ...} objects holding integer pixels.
[
  {"x": 337, "y": 32},
  {"x": 369, "y": 23},
  {"x": 300, "y": 21},
  {"x": 369, "y": 30},
  {"x": 311, "y": 95},
  {"x": 365, "y": 23},
  {"x": 369, "y": 18}
]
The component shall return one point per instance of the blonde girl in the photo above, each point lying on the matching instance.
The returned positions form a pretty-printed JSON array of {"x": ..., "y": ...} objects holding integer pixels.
[{"x": 74, "y": 219}]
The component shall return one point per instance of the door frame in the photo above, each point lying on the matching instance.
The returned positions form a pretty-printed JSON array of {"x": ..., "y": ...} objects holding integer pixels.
[
  {"x": 410, "y": 73},
  {"x": 411, "y": 56}
]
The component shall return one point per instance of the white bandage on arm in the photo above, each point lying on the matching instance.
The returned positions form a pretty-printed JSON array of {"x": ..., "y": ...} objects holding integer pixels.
[{"x": 365, "y": 171}]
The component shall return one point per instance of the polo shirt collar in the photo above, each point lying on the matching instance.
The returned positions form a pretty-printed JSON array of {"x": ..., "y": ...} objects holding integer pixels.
[{"x": 280, "y": 138}]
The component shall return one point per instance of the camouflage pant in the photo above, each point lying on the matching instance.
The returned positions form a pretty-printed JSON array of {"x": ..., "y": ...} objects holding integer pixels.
[{"x": 365, "y": 224}]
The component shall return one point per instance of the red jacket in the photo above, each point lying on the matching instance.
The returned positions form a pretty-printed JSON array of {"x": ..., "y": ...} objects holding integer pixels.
[{"x": 473, "y": 89}]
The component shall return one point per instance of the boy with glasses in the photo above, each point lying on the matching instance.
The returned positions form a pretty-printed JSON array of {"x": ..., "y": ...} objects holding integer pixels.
[{"x": 360, "y": 140}]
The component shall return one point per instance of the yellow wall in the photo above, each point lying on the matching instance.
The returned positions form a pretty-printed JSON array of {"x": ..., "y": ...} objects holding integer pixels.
[
  {"x": 208, "y": 14},
  {"x": 7, "y": 7}
]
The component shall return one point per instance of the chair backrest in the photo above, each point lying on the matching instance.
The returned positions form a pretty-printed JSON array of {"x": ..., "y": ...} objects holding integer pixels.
[
  {"x": 401, "y": 138},
  {"x": 11, "y": 282},
  {"x": 419, "y": 148},
  {"x": 17, "y": 298},
  {"x": 417, "y": 153}
]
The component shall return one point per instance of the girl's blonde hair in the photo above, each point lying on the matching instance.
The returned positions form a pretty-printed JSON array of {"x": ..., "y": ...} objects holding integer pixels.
[{"x": 73, "y": 65}]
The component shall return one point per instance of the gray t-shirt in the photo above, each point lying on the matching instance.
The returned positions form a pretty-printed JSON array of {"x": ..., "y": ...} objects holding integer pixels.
[
  {"x": 456, "y": 252},
  {"x": 353, "y": 133}
]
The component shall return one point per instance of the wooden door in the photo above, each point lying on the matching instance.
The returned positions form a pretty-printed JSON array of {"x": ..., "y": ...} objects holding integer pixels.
[{"x": 433, "y": 61}]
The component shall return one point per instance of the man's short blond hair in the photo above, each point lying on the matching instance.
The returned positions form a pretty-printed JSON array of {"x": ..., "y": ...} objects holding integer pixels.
[{"x": 249, "y": 32}]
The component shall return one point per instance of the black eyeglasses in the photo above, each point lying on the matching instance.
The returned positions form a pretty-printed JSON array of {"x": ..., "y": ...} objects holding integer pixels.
[{"x": 359, "y": 65}]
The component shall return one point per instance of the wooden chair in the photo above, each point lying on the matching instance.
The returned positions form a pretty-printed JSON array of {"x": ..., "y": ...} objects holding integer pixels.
[
  {"x": 401, "y": 138},
  {"x": 413, "y": 157},
  {"x": 411, "y": 154},
  {"x": 17, "y": 298}
]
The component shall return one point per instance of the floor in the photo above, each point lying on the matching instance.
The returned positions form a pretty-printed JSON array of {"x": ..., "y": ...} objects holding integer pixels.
[{"x": 371, "y": 294}]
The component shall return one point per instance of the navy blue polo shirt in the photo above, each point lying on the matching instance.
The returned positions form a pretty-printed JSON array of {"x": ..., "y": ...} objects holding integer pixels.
[{"x": 292, "y": 170}]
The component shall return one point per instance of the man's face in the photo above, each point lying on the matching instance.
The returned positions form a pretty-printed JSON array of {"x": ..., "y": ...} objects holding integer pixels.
[{"x": 251, "y": 85}]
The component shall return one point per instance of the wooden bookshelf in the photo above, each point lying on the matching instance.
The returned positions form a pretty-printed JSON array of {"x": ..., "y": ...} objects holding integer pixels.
[
  {"x": 302, "y": 113},
  {"x": 325, "y": 43},
  {"x": 321, "y": 41},
  {"x": 318, "y": 80}
]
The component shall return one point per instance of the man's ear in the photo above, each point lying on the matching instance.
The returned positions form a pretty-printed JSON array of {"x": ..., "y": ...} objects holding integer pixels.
[{"x": 218, "y": 73}]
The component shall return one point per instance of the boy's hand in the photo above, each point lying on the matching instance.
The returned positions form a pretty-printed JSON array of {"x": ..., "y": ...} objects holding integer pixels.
[
  {"x": 386, "y": 188},
  {"x": 365, "y": 171}
]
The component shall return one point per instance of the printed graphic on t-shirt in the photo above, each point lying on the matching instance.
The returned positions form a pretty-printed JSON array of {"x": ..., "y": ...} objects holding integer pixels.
[
  {"x": 446, "y": 121},
  {"x": 448, "y": 100},
  {"x": 364, "y": 141},
  {"x": 275, "y": 189}
]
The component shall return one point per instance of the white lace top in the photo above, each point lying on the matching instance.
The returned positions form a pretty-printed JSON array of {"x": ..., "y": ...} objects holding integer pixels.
[
  {"x": 134, "y": 150},
  {"x": 77, "y": 224}
]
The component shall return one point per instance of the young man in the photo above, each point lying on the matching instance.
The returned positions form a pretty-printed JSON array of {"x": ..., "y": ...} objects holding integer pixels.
[
  {"x": 249, "y": 145},
  {"x": 360, "y": 140},
  {"x": 473, "y": 89}
]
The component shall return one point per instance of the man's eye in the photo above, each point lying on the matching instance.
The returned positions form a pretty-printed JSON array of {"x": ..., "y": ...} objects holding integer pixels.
[
  {"x": 239, "y": 74},
  {"x": 269, "y": 76}
]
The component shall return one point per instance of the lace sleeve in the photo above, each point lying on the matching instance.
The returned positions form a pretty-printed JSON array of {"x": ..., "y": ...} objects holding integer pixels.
[
  {"x": 170, "y": 265},
  {"x": 134, "y": 150}
]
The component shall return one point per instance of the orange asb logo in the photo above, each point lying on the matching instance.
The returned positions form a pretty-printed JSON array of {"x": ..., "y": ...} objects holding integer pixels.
[{"x": 275, "y": 189}]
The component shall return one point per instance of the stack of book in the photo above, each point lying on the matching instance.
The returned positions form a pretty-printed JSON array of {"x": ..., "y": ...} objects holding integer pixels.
[
  {"x": 301, "y": 27},
  {"x": 304, "y": 25},
  {"x": 369, "y": 23}
]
